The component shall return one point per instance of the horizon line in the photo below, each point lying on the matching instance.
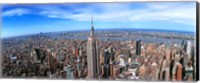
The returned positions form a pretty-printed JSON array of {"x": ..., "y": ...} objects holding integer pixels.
[{"x": 101, "y": 29}]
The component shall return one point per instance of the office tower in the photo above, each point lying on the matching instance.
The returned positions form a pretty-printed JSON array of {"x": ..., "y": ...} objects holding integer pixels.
[
  {"x": 76, "y": 52},
  {"x": 116, "y": 71},
  {"x": 142, "y": 72},
  {"x": 106, "y": 57},
  {"x": 106, "y": 69},
  {"x": 168, "y": 54},
  {"x": 106, "y": 66},
  {"x": 33, "y": 55},
  {"x": 179, "y": 72},
  {"x": 156, "y": 71},
  {"x": 43, "y": 56},
  {"x": 69, "y": 72},
  {"x": 163, "y": 69},
  {"x": 183, "y": 69},
  {"x": 50, "y": 61},
  {"x": 79, "y": 66},
  {"x": 189, "y": 48},
  {"x": 112, "y": 55},
  {"x": 188, "y": 51},
  {"x": 171, "y": 67},
  {"x": 37, "y": 50},
  {"x": 80, "y": 51},
  {"x": 93, "y": 58},
  {"x": 111, "y": 69},
  {"x": 177, "y": 69},
  {"x": 190, "y": 66},
  {"x": 183, "y": 45},
  {"x": 168, "y": 61},
  {"x": 138, "y": 47},
  {"x": 167, "y": 74}
]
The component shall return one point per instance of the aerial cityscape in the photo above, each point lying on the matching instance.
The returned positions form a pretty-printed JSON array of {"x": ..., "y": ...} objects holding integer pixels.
[{"x": 142, "y": 54}]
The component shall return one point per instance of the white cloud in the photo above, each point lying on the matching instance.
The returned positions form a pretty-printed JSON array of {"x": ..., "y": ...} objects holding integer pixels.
[
  {"x": 17, "y": 11},
  {"x": 177, "y": 13},
  {"x": 118, "y": 12}
]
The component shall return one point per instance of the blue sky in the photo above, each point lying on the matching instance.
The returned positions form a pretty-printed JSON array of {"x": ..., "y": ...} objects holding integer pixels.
[{"x": 34, "y": 18}]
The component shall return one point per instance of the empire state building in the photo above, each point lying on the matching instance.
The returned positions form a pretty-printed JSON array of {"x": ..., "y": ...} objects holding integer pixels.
[{"x": 93, "y": 58}]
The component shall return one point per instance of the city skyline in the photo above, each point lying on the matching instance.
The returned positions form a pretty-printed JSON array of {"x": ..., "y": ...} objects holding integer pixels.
[
  {"x": 31, "y": 19},
  {"x": 109, "y": 54}
]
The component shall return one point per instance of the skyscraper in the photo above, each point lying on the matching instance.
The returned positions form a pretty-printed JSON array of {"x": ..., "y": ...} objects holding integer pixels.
[
  {"x": 138, "y": 47},
  {"x": 93, "y": 58},
  {"x": 188, "y": 52},
  {"x": 50, "y": 61},
  {"x": 106, "y": 70},
  {"x": 106, "y": 57},
  {"x": 183, "y": 44},
  {"x": 111, "y": 50},
  {"x": 106, "y": 64},
  {"x": 189, "y": 48},
  {"x": 37, "y": 50},
  {"x": 79, "y": 66},
  {"x": 69, "y": 72}
]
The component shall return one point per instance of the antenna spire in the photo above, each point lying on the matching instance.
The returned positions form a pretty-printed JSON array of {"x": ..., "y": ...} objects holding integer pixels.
[
  {"x": 92, "y": 28},
  {"x": 92, "y": 20}
]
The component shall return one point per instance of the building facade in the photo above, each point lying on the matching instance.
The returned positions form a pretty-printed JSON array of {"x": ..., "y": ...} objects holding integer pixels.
[
  {"x": 93, "y": 57},
  {"x": 138, "y": 47}
]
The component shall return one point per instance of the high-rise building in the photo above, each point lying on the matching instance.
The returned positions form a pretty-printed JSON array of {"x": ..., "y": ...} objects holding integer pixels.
[
  {"x": 179, "y": 72},
  {"x": 177, "y": 69},
  {"x": 171, "y": 68},
  {"x": 116, "y": 71},
  {"x": 50, "y": 61},
  {"x": 112, "y": 55},
  {"x": 74, "y": 50},
  {"x": 111, "y": 69},
  {"x": 138, "y": 47},
  {"x": 80, "y": 51},
  {"x": 93, "y": 58},
  {"x": 142, "y": 72},
  {"x": 79, "y": 66},
  {"x": 106, "y": 70},
  {"x": 168, "y": 60},
  {"x": 189, "y": 51},
  {"x": 183, "y": 44},
  {"x": 106, "y": 57},
  {"x": 106, "y": 64},
  {"x": 69, "y": 72},
  {"x": 34, "y": 55},
  {"x": 189, "y": 48},
  {"x": 37, "y": 50}
]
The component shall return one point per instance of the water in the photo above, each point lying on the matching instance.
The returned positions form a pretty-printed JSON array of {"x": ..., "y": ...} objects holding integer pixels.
[{"x": 84, "y": 35}]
